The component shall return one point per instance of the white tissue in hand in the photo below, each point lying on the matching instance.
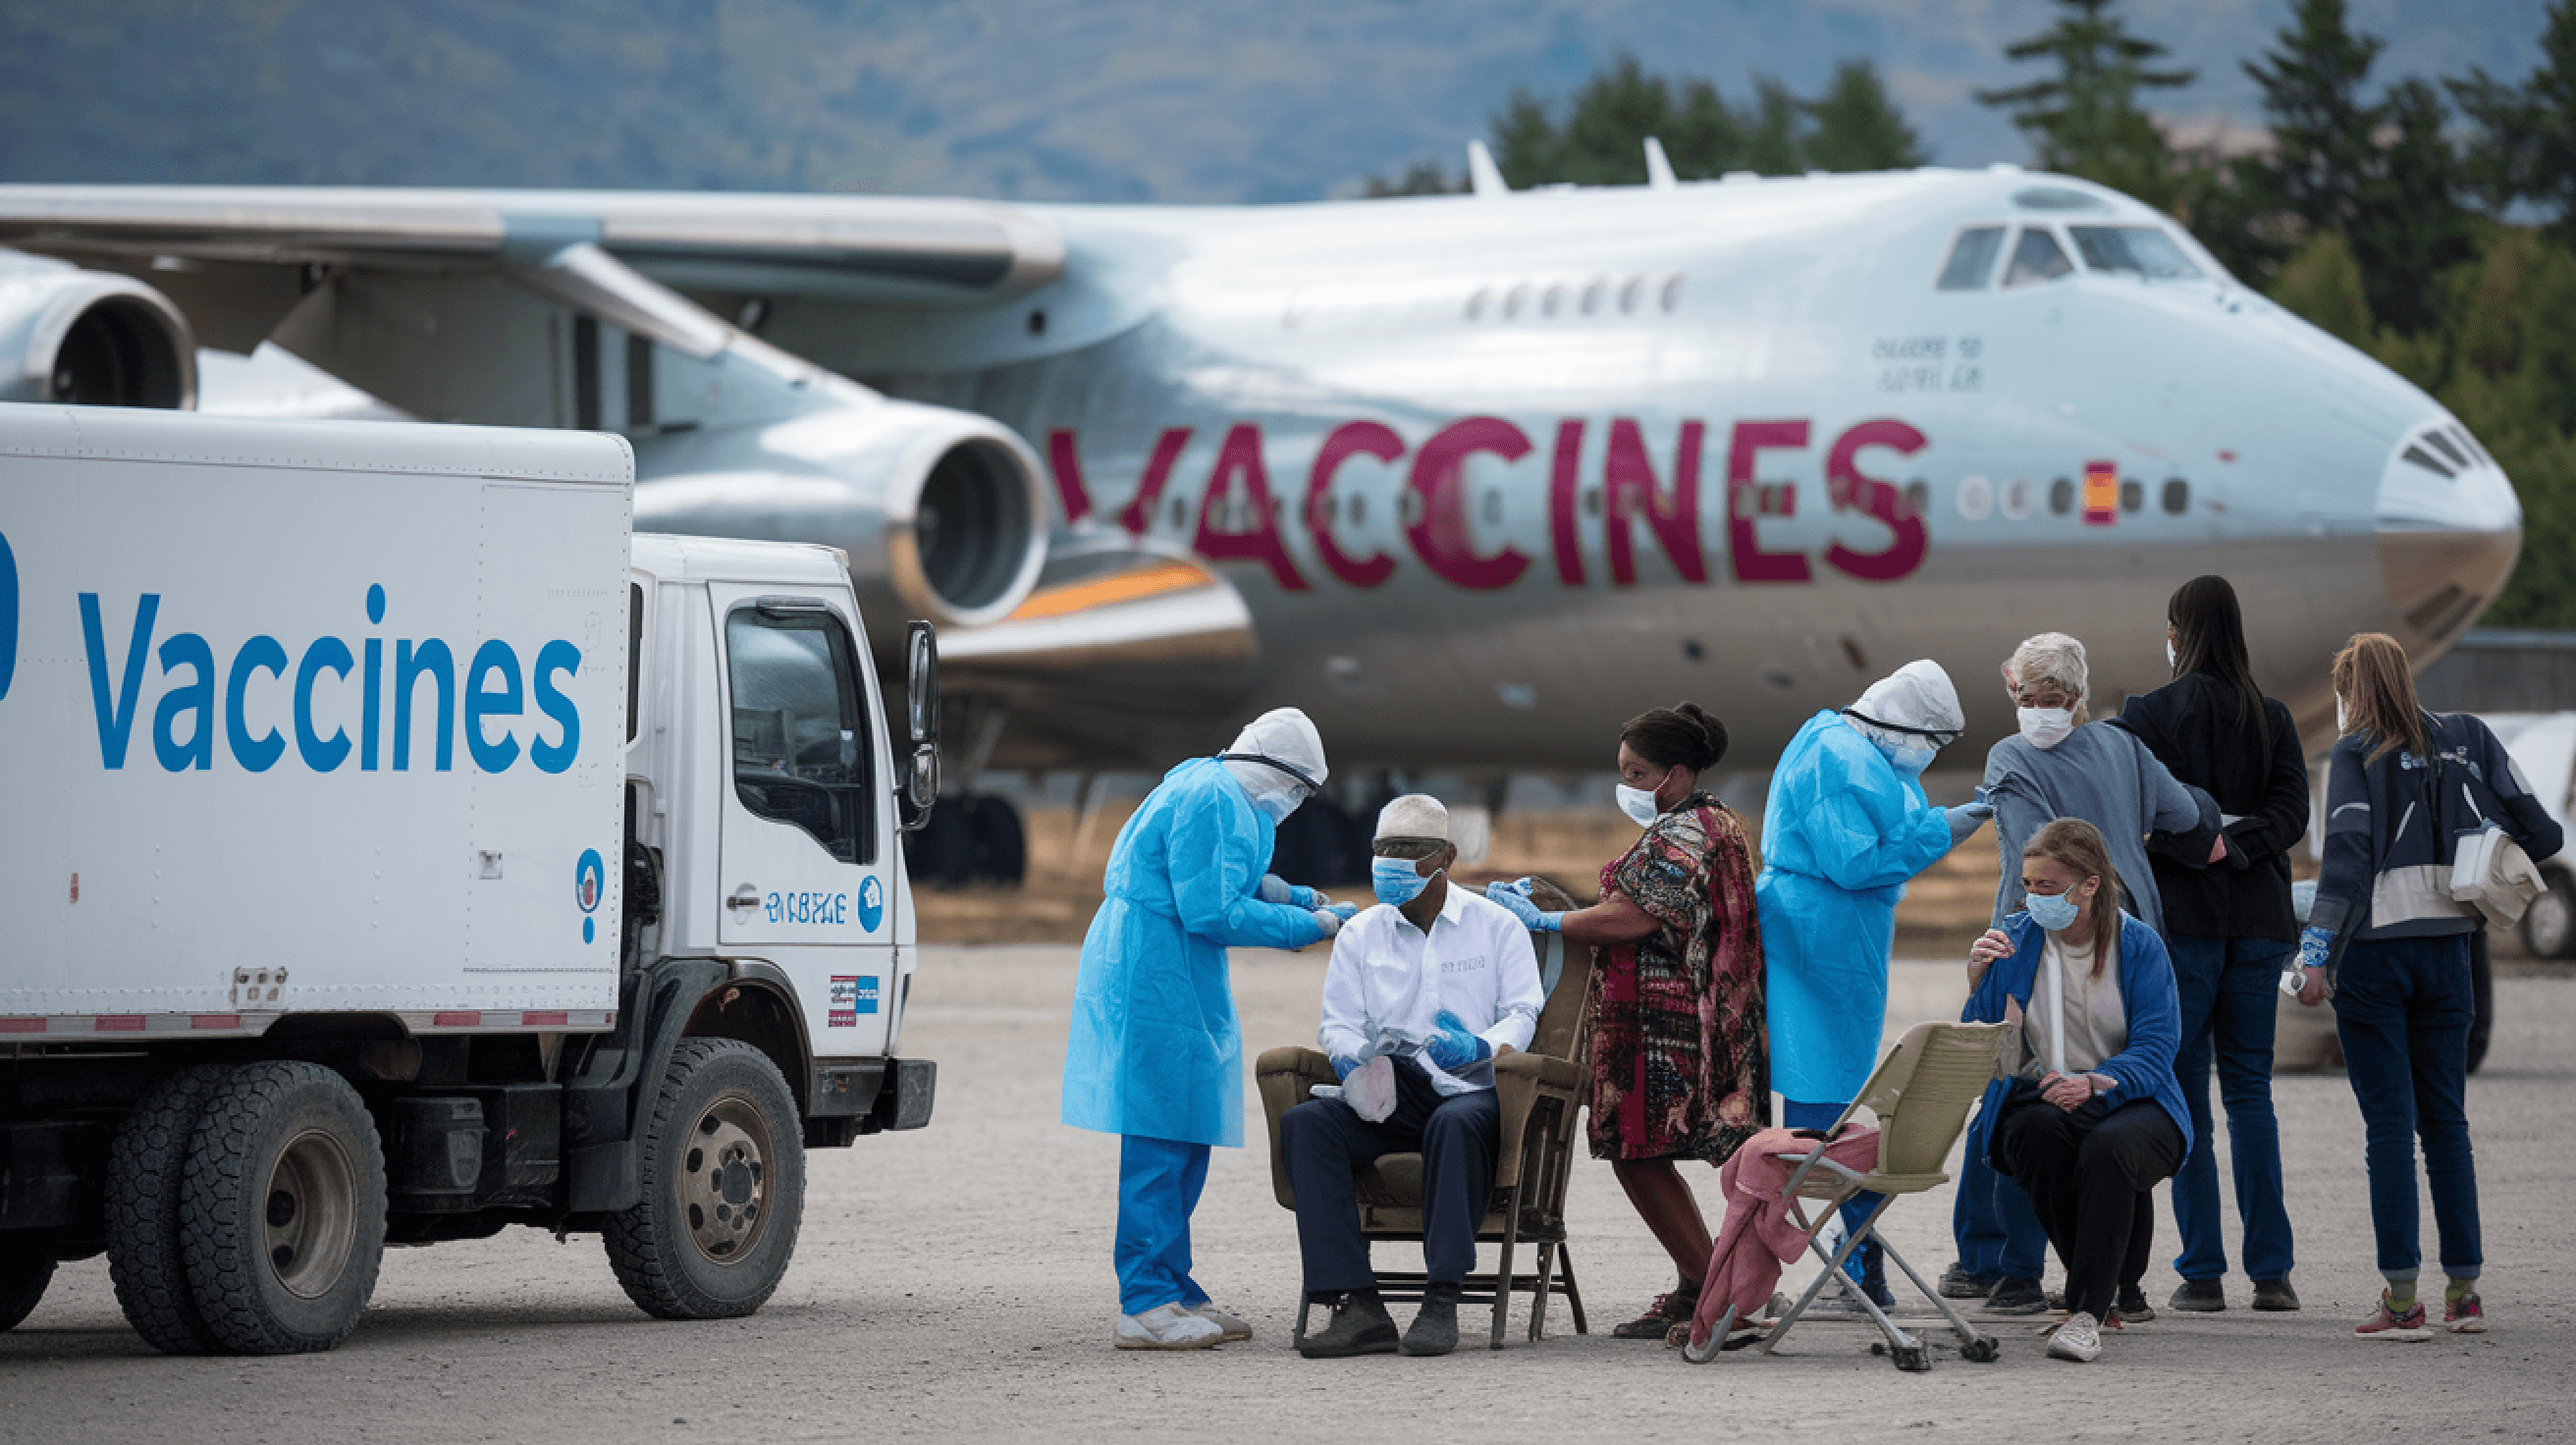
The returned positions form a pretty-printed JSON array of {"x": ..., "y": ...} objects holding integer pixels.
[{"x": 1370, "y": 1089}]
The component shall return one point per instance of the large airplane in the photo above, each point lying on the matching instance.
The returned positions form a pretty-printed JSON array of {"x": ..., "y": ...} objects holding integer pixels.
[{"x": 1471, "y": 479}]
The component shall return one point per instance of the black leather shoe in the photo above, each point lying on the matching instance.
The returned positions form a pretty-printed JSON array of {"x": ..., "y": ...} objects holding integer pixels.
[
  {"x": 1435, "y": 1329},
  {"x": 2199, "y": 1297},
  {"x": 2275, "y": 1294},
  {"x": 2018, "y": 1297},
  {"x": 1360, "y": 1326},
  {"x": 2130, "y": 1304}
]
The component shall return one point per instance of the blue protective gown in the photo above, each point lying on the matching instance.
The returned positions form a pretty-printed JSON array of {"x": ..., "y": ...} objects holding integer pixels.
[
  {"x": 1155, "y": 1050},
  {"x": 1841, "y": 832}
]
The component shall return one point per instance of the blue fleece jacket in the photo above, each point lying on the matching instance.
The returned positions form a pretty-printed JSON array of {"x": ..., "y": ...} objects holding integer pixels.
[{"x": 2145, "y": 1069}]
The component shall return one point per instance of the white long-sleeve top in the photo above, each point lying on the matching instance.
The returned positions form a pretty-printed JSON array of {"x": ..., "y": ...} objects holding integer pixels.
[{"x": 1476, "y": 962}]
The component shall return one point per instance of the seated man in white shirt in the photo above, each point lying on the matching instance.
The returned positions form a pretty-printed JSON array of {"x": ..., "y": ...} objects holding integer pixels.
[{"x": 1435, "y": 981}]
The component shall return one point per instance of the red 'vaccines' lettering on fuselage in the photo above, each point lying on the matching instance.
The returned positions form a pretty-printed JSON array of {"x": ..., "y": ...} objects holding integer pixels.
[{"x": 1240, "y": 515}]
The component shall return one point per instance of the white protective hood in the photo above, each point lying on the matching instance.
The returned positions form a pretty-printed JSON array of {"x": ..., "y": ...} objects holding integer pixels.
[
  {"x": 1915, "y": 699},
  {"x": 1286, "y": 734}
]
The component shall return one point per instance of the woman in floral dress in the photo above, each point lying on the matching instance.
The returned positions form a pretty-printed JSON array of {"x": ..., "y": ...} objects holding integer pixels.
[{"x": 1680, "y": 1069}]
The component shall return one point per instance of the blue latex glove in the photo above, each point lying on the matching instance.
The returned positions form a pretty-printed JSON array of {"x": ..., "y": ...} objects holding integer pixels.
[
  {"x": 1518, "y": 905},
  {"x": 1343, "y": 1068},
  {"x": 1275, "y": 889},
  {"x": 1343, "y": 911},
  {"x": 1453, "y": 1048}
]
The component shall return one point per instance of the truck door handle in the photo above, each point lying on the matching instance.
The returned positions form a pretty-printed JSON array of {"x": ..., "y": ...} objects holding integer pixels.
[{"x": 745, "y": 897}]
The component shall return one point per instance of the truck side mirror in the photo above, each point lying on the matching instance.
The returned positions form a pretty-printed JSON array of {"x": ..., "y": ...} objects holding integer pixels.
[
  {"x": 921, "y": 710},
  {"x": 921, "y": 683}
]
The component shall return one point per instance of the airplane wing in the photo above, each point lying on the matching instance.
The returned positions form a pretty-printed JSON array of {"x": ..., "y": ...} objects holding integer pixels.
[{"x": 854, "y": 248}]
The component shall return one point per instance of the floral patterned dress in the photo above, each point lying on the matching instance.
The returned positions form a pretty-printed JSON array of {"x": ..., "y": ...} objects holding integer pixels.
[{"x": 1680, "y": 1064}]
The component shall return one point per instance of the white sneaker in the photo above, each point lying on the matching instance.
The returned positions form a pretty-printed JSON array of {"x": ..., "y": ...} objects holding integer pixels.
[
  {"x": 1234, "y": 1326},
  {"x": 2079, "y": 1339},
  {"x": 1166, "y": 1327}
]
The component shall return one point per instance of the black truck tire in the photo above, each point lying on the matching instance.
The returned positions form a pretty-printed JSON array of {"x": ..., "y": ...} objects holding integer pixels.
[
  {"x": 723, "y": 1161},
  {"x": 146, "y": 1167},
  {"x": 283, "y": 1216},
  {"x": 26, "y": 1267}
]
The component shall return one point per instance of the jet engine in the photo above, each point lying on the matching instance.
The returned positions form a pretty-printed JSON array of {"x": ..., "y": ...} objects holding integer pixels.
[
  {"x": 943, "y": 514},
  {"x": 91, "y": 338}
]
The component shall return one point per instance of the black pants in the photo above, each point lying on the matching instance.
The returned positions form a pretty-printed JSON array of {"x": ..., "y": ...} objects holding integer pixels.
[
  {"x": 1326, "y": 1142},
  {"x": 2089, "y": 1173}
]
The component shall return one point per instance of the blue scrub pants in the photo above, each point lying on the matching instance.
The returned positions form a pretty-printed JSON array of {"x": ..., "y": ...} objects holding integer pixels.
[
  {"x": 1868, "y": 1261},
  {"x": 2403, "y": 1008},
  {"x": 1992, "y": 1220},
  {"x": 1158, "y": 1187},
  {"x": 2228, "y": 989}
]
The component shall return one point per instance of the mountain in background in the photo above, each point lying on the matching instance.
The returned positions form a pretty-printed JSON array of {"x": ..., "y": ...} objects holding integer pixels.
[{"x": 1094, "y": 100}]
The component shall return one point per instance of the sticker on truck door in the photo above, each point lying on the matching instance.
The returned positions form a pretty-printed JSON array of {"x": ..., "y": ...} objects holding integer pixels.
[
  {"x": 852, "y": 995},
  {"x": 589, "y": 881}
]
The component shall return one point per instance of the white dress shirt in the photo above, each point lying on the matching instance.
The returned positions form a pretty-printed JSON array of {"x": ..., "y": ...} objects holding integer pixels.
[{"x": 1476, "y": 962}]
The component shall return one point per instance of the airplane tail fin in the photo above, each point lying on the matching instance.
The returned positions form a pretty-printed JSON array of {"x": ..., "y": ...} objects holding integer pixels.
[
  {"x": 1486, "y": 177},
  {"x": 1659, "y": 171}
]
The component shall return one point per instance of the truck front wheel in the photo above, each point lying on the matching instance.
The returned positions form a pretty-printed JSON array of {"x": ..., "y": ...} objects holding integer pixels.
[
  {"x": 283, "y": 1216},
  {"x": 723, "y": 1160}
]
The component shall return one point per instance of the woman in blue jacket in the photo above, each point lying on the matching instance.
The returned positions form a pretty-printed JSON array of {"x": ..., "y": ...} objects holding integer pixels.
[
  {"x": 2390, "y": 946},
  {"x": 2091, "y": 1117}
]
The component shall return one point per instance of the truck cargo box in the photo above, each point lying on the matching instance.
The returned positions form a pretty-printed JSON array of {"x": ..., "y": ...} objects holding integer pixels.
[{"x": 300, "y": 719}]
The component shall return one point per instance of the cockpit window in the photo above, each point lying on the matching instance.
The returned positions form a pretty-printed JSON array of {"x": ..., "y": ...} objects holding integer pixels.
[
  {"x": 1972, "y": 259},
  {"x": 2036, "y": 257},
  {"x": 2141, "y": 249}
]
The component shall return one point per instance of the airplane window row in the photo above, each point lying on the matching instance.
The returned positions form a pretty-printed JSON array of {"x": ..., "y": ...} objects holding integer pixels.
[
  {"x": 1561, "y": 299},
  {"x": 2038, "y": 256}
]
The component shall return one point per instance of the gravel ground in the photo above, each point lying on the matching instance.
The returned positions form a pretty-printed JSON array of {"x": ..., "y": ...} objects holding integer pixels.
[{"x": 955, "y": 1283}]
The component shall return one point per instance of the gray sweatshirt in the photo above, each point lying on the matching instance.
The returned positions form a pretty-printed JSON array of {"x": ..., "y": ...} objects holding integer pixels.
[{"x": 2105, "y": 776}]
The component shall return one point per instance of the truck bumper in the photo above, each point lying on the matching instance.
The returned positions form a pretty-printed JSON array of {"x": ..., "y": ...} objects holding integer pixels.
[{"x": 904, "y": 1101}]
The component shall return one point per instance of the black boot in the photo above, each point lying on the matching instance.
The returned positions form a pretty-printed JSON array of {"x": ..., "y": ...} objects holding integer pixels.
[
  {"x": 1360, "y": 1326},
  {"x": 1435, "y": 1329}
]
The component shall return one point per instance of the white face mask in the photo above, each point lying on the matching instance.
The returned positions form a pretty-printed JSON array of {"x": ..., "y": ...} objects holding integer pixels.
[
  {"x": 1639, "y": 805},
  {"x": 2171, "y": 661},
  {"x": 2046, "y": 727},
  {"x": 2343, "y": 718}
]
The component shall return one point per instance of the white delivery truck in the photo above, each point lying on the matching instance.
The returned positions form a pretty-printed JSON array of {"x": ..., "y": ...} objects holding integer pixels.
[{"x": 394, "y": 847}]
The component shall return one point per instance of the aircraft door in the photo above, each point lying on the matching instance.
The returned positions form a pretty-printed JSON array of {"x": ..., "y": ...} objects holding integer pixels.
[{"x": 807, "y": 851}]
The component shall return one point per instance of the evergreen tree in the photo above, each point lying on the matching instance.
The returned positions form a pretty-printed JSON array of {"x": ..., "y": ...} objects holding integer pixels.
[
  {"x": 1422, "y": 178},
  {"x": 1857, "y": 128},
  {"x": 2526, "y": 135},
  {"x": 2085, "y": 119}
]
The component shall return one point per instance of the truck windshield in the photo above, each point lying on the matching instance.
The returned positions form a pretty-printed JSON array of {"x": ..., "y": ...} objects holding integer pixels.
[{"x": 800, "y": 731}]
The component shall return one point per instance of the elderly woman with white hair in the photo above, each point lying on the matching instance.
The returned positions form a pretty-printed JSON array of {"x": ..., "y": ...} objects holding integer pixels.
[{"x": 2059, "y": 765}]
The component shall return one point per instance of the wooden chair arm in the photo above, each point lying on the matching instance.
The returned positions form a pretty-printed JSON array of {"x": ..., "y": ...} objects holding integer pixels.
[{"x": 1283, "y": 1075}]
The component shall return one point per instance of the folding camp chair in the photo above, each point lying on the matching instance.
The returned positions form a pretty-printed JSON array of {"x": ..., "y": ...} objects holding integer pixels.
[
  {"x": 1539, "y": 1090},
  {"x": 1921, "y": 1095}
]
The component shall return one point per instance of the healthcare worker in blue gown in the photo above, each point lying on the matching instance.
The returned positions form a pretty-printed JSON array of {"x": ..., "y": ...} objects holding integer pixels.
[
  {"x": 1846, "y": 824},
  {"x": 1155, "y": 1056}
]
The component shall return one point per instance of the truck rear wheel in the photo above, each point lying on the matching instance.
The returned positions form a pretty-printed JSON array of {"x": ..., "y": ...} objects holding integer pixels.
[
  {"x": 284, "y": 1210},
  {"x": 26, "y": 1267},
  {"x": 146, "y": 1168},
  {"x": 723, "y": 1160}
]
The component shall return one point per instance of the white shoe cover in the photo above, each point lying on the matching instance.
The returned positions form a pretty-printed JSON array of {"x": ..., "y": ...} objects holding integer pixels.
[{"x": 1166, "y": 1327}]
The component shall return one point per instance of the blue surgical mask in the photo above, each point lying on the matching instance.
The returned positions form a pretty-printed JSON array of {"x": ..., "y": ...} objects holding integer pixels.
[
  {"x": 1911, "y": 761},
  {"x": 2052, "y": 911},
  {"x": 1280, "y": 804},
  {"x": 1395, "y": 880}
]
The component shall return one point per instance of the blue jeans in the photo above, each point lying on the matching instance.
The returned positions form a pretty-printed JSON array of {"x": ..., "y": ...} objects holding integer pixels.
[
  {"x": 2402, "y": 1008},
  {"x": 1997, "y": 1231},
  {"x": 2228, "y": 989},
  {"x": 1158, "y": 1187},
  {"x": 1868, "y": 1260}
]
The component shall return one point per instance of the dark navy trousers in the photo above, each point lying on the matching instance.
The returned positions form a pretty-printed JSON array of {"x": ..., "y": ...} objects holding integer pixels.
[{"x": 1326, "y": 1143}]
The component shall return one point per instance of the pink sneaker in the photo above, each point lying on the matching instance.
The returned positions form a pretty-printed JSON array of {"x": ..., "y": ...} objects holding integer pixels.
[
  {"x": 2387, "y": 1324},
  {"x": 2464, "y": 1316}
]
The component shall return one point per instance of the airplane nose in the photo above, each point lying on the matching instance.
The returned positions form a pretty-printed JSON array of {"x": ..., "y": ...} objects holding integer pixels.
[{"x": 2449, "y": 527}]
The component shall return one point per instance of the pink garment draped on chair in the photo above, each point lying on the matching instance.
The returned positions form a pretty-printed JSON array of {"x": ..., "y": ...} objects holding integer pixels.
[{"x": 1759, "y": 1236}]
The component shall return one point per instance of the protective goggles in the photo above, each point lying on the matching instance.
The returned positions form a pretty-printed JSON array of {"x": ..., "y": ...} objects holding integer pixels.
[
  {"x": 1939, "y": 737},
  {"x": 1309, "y": 786}
]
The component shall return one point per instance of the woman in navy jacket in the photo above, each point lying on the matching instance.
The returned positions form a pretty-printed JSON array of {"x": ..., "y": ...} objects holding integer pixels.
[
  {"x": 2091, "y": 1117},
  {"x": 2390, "y": 946}
]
